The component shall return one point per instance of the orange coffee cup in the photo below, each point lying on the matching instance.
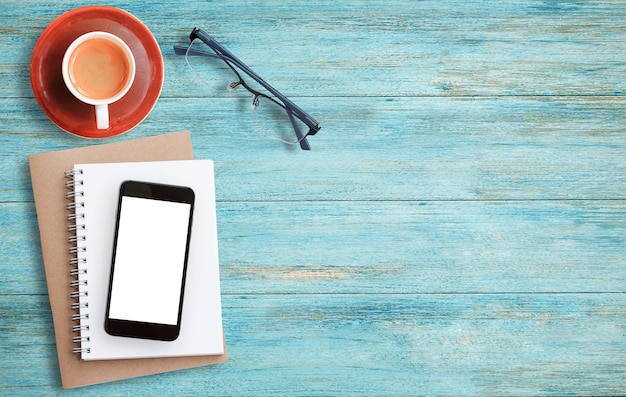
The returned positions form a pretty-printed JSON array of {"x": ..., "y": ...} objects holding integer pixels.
[{"x": 99, "y": 69}]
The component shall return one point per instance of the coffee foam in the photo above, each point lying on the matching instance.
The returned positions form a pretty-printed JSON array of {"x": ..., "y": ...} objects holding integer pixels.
[{"x": 99, "y": 68}]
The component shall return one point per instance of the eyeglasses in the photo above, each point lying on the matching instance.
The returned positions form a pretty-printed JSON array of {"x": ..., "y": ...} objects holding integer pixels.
[{"x": 294, "y": 112}]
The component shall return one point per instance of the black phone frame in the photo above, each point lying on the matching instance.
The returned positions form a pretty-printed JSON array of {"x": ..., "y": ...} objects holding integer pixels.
[{"x": 139, "y": 329}]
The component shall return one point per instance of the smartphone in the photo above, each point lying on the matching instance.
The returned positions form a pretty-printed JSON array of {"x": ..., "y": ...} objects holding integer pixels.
[{"x": 149, "y": 264}]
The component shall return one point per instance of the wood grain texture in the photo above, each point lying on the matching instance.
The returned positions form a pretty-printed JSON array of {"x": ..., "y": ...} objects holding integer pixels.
[
  {"x": 459, "y": 227},
  {"x": 390, "y": 247},
  {"x": 443, "y": 148},
  {"x": 377, "y": 344},
  {"x": 397, "y": 48}
]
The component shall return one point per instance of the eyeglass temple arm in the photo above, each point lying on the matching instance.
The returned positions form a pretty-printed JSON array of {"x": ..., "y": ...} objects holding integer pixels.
[
  {"x": 185, "y": 50},
  {"x": 304, "y": 144},
  {"x": 210, "y": 41}
]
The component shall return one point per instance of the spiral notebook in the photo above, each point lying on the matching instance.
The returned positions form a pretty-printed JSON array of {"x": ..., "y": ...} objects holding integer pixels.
[
  {"x": 93, "y": 197},
  {"x": 49, "y": 190}
]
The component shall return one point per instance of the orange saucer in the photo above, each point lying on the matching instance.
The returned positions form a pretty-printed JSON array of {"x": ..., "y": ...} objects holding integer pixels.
[{"x": 61, "y": 106}]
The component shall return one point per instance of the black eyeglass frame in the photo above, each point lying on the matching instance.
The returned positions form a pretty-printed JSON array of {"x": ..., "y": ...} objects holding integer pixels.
[{"x": 232, "y": 61}]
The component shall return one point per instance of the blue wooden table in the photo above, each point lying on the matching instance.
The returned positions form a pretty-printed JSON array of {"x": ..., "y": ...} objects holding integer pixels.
[{"x": 458, "y": 228}]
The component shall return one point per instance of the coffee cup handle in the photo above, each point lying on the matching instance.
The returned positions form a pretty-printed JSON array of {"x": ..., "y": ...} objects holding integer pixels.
[{"x": 102, "y": 117}]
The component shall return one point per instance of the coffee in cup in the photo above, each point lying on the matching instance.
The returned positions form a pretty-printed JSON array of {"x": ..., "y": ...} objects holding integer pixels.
[{"x": 99, "y": 69}]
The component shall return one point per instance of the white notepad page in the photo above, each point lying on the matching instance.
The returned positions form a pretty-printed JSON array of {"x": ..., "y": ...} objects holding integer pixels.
[{"x": 201, "y": 324}]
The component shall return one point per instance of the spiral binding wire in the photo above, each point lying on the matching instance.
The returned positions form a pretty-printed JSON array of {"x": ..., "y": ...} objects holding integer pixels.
[{"x": 77, "y": 264}]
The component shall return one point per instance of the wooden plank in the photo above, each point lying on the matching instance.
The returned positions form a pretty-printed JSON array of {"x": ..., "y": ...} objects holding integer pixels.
[
  {"x": 389, "y": 247},
  {"x": 522, "y": 148},
  {"x": 454, "y": 48},
  {"x": 434, "y": 247},
  {"x": 372, "y": 344}
]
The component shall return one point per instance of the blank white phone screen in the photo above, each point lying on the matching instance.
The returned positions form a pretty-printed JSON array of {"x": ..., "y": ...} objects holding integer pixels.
[{"x": 149, "y": 260}]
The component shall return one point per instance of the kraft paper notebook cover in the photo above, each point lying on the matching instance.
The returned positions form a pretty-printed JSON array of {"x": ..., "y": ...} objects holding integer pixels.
[{"x": 47, "y": 175}]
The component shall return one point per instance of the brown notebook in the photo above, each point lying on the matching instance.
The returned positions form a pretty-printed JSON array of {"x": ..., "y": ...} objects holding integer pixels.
[{"x": 47, "y": 175}]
